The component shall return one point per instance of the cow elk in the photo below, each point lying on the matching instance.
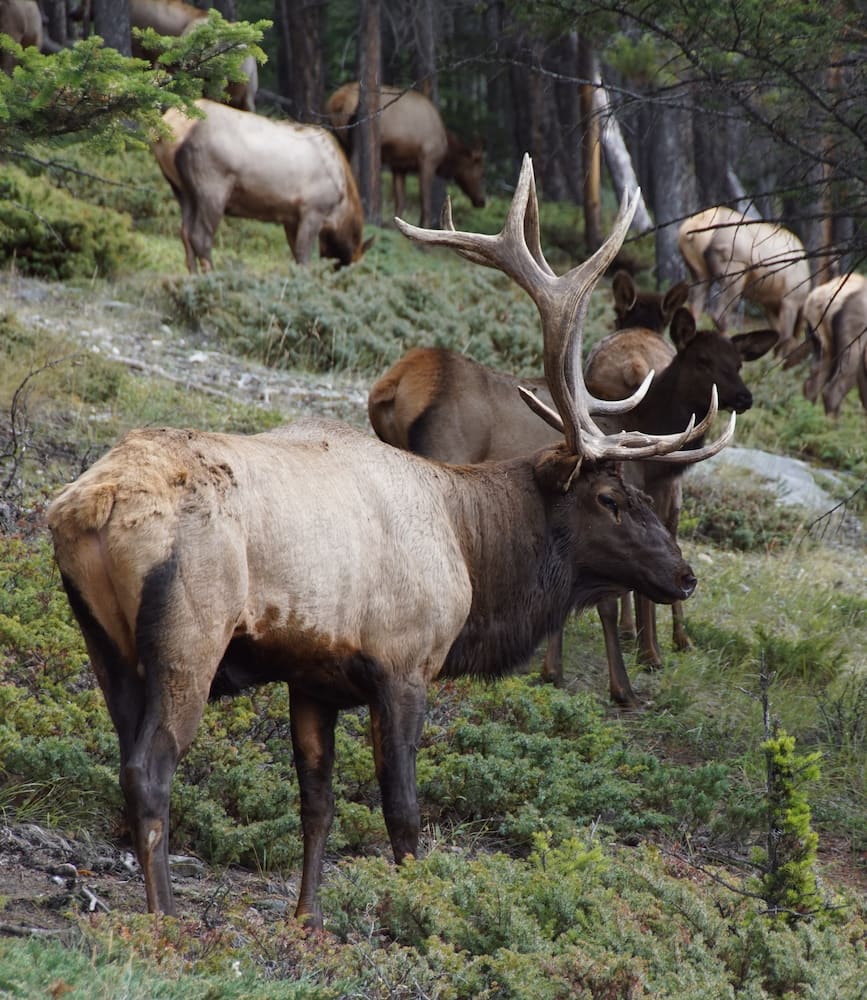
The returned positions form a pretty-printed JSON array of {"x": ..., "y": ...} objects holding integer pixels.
[
  {"x": 21, "y": 20},
  {"x": 176, "y": 18},
  {"x": 835, "y": 315},
  {"x": 747, "y": 260},
  {"x": 413, "y": 140},
  {"x": 447, "y": 407},
  {"x": 232, "y": 162},
  {"x": 201, "y": 563}
]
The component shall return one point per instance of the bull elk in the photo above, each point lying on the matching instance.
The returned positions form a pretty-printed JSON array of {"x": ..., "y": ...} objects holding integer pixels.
[
  {"x": 176, "y": 18},
  {"x": 445, "y": 406},
  {"x": 413, "y": 140},
  {"x": 201, "y": 563},
  {"x": 232, "y": 162},
  {"x": 835, "y": 315},
  {"x": 749, "y": 260}
]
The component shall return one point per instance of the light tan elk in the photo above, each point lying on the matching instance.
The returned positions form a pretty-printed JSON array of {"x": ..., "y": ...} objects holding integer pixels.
[
  {"x": 445, "y": 406},
  {"x": 200, "y": 563},
  {"x": 750, "y": 260},
  {"x": 176, "y": 18},
  {"x": 835, "y": 315},
  {"x": 234, "y": 163},
  {"x": 834, "y": 338},
  {"x": 413, "y": 140}
]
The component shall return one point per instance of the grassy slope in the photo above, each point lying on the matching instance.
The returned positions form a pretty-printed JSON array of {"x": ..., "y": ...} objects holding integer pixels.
[{"x": 529, "y": 794}]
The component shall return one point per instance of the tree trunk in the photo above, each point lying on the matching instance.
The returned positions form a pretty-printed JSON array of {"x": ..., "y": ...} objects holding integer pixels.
[
  {"x": 591, "y": 149},
  {"x": 111, "y": 23},
  {"x": 369, "y": 78},
  {"x": 228, "y": 8},
  {"x": 617, "y": 158},
  {"x": 300, "y": 71},
  {"x": 55, "y": 20},
  {"x": 424, "y": 24},
  {"x": 674, "y": 189}
]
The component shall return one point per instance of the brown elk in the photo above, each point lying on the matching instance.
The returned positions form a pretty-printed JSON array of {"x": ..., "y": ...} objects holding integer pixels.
[
  {"x": 413, "y": 140},
  {"x": 750, "y": 260},
  {"x": 176, "y": 18},
  {"x": 21, "y": 20},
  {"x": 613, "y": 375},
  {"x": 835, "y": 315},
  {"x": 200, "y": 563},
  {"x": 234, "y": 163},
  {"x": 445, "y": 406}
]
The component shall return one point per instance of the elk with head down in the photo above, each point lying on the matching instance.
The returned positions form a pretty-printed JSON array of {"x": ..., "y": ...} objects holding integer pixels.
[
  {"x": 445, "y": 406},
  {"x": 234, "y": 163},
  {"x": 176, "y": 18},
  {"x": 835, "y": 315},
  {"x": 200, "y": 563},
  {"x": 747, "y": 260},
  {"x": 413, "y": 140}
]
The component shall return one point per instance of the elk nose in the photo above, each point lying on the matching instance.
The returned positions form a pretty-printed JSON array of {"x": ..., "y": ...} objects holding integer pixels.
[
  {"x": 743, "y": 401},
  {"x": 688, "y": 582}
]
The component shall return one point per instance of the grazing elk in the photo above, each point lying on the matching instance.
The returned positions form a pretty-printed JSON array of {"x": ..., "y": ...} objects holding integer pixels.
[
  {"x": 749, "y": 260},
  {"x": 445, "y": 406},
  {"x": 835, "y": 315},
  {"x": 176, "y": 18},
  {"x": 234, "y": 163},
  {"x": 413, "y": 140},
  {"x": 200, "y": 563}
]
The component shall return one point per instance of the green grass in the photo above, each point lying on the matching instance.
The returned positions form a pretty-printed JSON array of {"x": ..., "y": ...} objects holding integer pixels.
[{"x": 572, "y": 850}]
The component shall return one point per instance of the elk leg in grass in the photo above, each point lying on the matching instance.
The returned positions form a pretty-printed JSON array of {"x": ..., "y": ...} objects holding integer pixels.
[
  {"x": 620, "y": 689},
  {"x": 312, "y": 725}
]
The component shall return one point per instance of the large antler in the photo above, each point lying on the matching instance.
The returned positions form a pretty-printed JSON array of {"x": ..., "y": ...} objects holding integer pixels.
[{"x": 562, "y": 303}]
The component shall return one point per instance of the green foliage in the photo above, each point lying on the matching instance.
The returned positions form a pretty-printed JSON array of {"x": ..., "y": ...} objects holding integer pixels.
[
  {"x": 321, "y": 319},
  {"x": 813, "y": 659},
  {"x": 788, "y": 884},
  {"x": 92, "y": 92},
  {"x": 48, "y": 234},
  {"x": 738, "y": 516}
]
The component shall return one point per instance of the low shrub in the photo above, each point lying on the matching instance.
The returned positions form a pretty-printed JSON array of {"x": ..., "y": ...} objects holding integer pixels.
[{"x": 47, "y": 233}]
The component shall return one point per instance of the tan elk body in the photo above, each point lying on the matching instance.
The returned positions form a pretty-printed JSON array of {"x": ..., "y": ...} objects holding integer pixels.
[
  {"x": 22, "y": 21},
  {"x": 235, "y": 163},
  {"x": 835, "y": 315},
  {"x": 750, "y": 260},
  {"x": 413, "y": 140},
  {"x": 200, "y": 563}
]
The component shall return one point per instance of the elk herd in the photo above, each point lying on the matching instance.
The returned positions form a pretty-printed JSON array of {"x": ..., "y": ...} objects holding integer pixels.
[{"x": 484, "y": 511}]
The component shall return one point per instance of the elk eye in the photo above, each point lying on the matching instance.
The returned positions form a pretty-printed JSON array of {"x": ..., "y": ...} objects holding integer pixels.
[{"x": 609, "y": 502}]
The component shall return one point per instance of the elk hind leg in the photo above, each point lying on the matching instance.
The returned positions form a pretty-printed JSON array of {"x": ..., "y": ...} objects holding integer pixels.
[
  {"x": 552, "y": 665},
  {"x": 312, "y": 725},
  {"x": 648, "y": 644}
]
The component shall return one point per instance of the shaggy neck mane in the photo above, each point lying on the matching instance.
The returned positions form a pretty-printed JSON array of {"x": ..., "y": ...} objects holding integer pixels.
[{"x": 524, "y": 583}]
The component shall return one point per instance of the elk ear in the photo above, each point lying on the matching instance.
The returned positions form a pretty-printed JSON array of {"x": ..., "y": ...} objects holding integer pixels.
[
  {"x": 555, "y": 470},
  {"x": 623, "y": 288},
  {"x": 682, "y": 328},
  {"x": 673, "y": 299},
  {"x": 755, "y": 344}
]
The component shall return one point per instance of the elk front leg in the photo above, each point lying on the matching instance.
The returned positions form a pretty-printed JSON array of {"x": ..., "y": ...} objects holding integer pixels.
[
  {"x": 648, "y": 645},
  {"x": 678, "y": 627},
  {"x": 552, "y": 667},
  {"x": 312, "y": 725},
  {"x": 619, "y": 687},
  {"x": 396, "y": 719}
]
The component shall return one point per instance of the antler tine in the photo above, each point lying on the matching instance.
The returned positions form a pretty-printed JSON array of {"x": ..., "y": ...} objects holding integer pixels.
[
  {"x": 515, "y": 250},
  {"x": 637, "y": 445}
]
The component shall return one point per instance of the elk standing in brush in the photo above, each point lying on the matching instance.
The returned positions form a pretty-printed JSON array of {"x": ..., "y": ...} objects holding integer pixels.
[
  {"x": 200, "y": 563},
  {"x": 448, "y": 407}
]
